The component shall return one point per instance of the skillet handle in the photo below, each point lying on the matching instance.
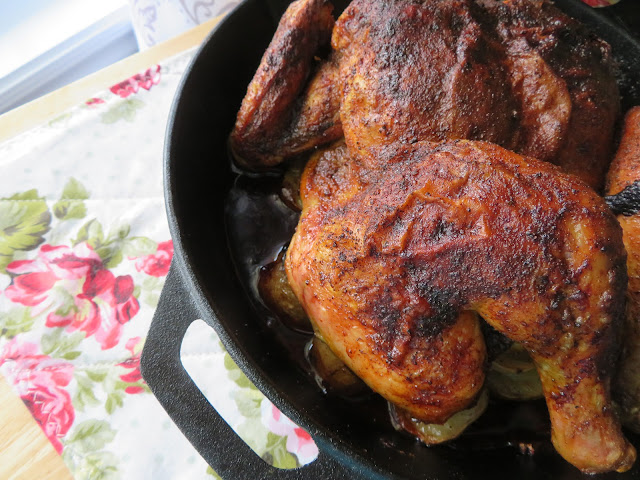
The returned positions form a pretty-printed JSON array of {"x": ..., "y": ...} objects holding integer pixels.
[{"x": 218, "y": 444}]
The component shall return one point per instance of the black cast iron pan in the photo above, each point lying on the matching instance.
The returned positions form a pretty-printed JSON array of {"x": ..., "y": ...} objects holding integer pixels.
[{"x": 204, "y": 283}]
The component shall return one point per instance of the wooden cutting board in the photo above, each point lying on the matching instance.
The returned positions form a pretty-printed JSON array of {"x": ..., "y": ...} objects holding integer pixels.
[{"x": 25, "y": 451}]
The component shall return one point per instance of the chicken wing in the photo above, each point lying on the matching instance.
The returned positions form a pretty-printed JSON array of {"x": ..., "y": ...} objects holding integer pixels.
[
  {"x": 624, "y": 177},
  {"x": 283, "y": 112},
  {"x": 392, "y": 266}
]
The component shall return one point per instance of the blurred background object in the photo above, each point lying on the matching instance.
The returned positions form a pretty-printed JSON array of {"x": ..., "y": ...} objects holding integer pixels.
[
  {"x": 157, "y": 20},
  {"x": 47, "y": 44}
]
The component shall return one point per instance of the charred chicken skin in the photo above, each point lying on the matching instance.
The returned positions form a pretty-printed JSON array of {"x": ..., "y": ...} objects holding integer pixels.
[
  {"x": 414, "y": 224},
  {"x": 390, "y": 266},
  {"x": 520, "y": 74}
]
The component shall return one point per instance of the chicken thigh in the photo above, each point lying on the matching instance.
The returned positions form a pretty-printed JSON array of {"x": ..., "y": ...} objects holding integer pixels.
[{"x": 393, "y": 266}]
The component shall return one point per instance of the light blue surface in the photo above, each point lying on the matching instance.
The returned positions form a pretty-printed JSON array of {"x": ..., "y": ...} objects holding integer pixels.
[
  {"x": 67, "y": 55},
  {"x": 14, "y": 12}
]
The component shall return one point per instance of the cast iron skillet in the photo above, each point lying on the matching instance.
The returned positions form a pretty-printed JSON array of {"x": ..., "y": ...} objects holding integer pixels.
[{"x": 203, "y": 284}]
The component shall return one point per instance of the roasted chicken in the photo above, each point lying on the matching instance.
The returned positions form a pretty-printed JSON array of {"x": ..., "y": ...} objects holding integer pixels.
[
  {"x": 520, "y": 74},
  {"x": 417, "y": 223}
]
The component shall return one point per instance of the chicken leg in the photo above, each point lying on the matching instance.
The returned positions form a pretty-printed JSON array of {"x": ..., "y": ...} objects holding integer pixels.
[{"x": 390, "y": 264}]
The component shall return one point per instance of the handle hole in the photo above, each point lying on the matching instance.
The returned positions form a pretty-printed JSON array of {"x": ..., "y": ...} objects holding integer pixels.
[{"x": 270, "y": 434}]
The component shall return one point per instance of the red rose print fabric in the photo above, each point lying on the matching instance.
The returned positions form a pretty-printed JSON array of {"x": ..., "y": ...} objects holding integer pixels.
[
  {"x": 158, "y": 263},
  {"x": 94, "y": 301},
  {"x": 600, "y": 3},
  {"x": 41, "y": 382},
  {"x": 131, "y": 85},
  {"x": 132, "y": 364}
]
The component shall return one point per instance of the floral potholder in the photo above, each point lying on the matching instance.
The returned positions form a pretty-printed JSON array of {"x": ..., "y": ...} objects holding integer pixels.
[{"x": 84, "y": 252}]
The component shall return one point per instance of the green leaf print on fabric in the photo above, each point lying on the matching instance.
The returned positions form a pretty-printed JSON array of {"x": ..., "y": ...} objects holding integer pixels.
[
  {"x": 277, "y": 454},
  {"x": 139, "y": 246},
  {"x": 58, "y": 344},
  {"x": 84, "y": 452},
  {"x": 268, "y": 445},
  {"x": 15, "y": 321},
  {"x": 84, "y": 395},
  {"x": 110, "y": 384},
  {"x": 234, "y": 372},
  {"x": 96, "y": 375},
  {"x": 151, "y": 289},
  {"x": 71, "y": 205},
  {"x": 90, "y": 436},
  {"x": 248, "y": 401},
  {"x": 90, "y": 230},
  {"x": 60, "y": 120},
  {"x": 114, "y": 400},
  {"x": 24, "y": 219},
  {"x": 123, "y": 110},
  {"x": 109, "y": 248},
  {"x": 97, "y": 466},
  {"x": 104, "y": 382},
  {"x": 118, "y": 389}
]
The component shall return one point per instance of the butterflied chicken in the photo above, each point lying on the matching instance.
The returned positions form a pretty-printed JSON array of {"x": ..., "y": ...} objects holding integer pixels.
[
  {"x": 520, "y": 74},
  {"x": 393, "y": 265},
  {"x": 414, "y": 226}
]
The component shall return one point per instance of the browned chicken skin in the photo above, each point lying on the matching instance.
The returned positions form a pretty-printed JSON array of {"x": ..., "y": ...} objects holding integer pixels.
[
  {"x": 389, "y": 271},
  {"x": 564, "y": 82},
  {"x": 420, "y": 71},
  {"x": 624, "y": 174},
  {"x": 520, "y": 74}
]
